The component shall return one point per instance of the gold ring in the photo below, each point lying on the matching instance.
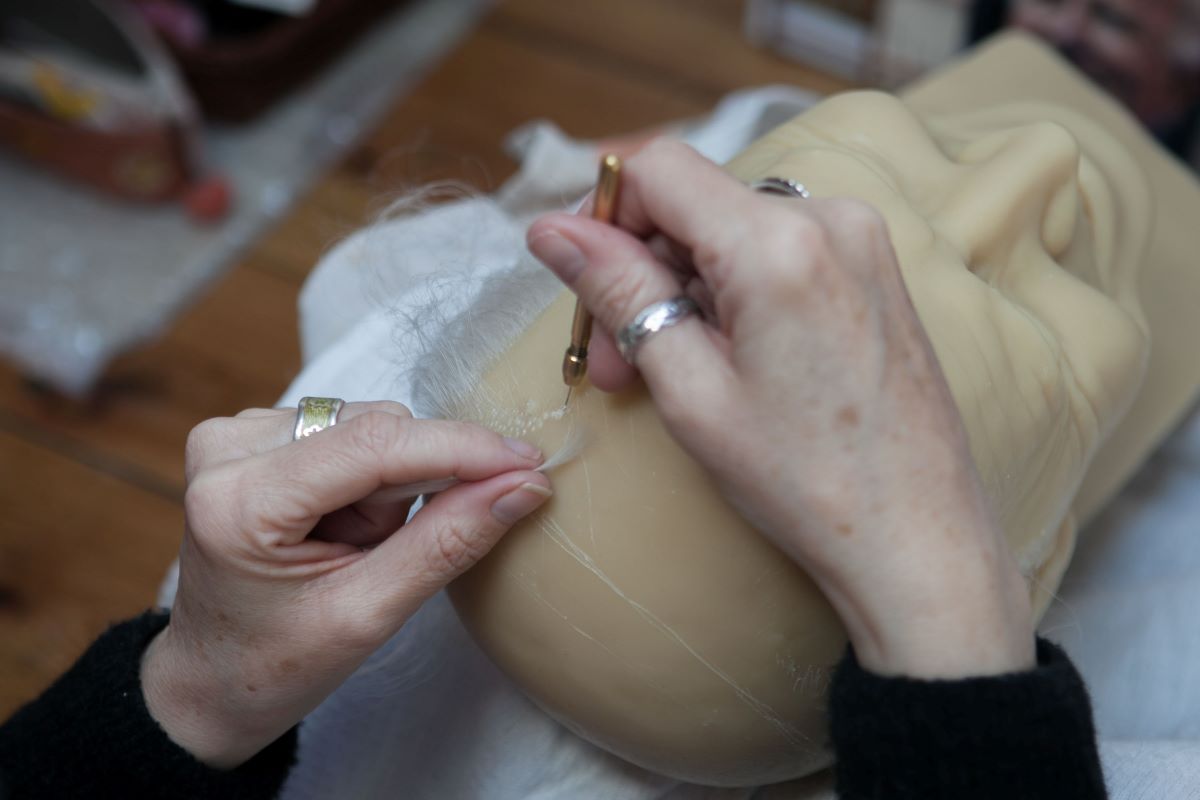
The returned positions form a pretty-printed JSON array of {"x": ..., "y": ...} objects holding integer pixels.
[{"x": 315, "y": 414}]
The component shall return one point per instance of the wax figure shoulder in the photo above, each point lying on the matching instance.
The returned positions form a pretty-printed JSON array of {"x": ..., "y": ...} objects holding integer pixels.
[{"x": 91, "y": 735}]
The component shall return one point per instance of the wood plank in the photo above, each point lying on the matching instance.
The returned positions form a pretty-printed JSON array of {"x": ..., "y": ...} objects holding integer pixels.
[
  {"x": 235, "y": 348},
  {"x": 338, "y": 204},
  {"x": 596, "y": 69},
  {"x": 78, "y": 550},
  {"x": 454, "y": 125},
  {"x": 691, "y": 46},
  {"x": 452, "y": 128}
]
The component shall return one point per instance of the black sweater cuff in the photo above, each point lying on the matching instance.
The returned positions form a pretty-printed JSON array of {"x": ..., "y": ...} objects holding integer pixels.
[
  {"x": 90, "y": 735},
  {"x": 1025, "y": 735}
]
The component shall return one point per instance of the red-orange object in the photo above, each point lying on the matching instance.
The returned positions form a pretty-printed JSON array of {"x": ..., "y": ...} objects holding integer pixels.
[{"x": 208, "y": 200}]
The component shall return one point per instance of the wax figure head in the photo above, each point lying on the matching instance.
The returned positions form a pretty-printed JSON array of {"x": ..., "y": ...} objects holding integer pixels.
[{"x": 640, "y": 611}]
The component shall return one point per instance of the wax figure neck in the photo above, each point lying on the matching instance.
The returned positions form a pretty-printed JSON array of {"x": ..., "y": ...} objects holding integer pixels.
[{"x": 641, "y": 611}]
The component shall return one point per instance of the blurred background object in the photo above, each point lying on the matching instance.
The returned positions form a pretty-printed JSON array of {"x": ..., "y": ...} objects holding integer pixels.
[
  {"x": 87, "y": 91},
  {"x": 874, "y": 42},
  {"x": 91, "y": 93},
  {"x": 241, "y": 56},
  {"x": 1145, "y": 53}
]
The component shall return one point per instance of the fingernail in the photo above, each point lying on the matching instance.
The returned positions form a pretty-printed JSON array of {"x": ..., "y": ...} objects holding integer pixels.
[
  {"x": 519, "y": 502},
  {"x": 523, "y": 449},
  {"x": 559, "y": 254}
]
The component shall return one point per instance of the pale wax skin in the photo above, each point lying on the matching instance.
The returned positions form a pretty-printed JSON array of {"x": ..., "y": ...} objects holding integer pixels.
[{"x": 642, "y": 612}]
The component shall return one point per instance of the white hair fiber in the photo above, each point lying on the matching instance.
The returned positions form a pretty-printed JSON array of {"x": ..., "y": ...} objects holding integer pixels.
[{"x": 466, "y": 344}]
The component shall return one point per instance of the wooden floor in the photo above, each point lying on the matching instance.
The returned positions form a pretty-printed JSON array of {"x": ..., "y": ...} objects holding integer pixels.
[{"x": 90, "y": 493}]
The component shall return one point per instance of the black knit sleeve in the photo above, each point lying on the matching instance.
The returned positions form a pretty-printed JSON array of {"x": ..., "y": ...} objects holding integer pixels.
[
  {"x": 90, "y": 735},
  {"x": 1025, "y": 735}
]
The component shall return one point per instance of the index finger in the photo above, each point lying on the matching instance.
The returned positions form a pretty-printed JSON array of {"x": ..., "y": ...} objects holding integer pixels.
[
  {"x": 657, "y": 184},
  {"x": 293, "y": 486},
  {"x": 671, "y": 190}
]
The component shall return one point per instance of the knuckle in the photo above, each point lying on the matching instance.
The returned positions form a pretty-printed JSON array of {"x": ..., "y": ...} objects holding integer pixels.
[
  {"x": 620, "y": 298},
  {"x": 376, "y": 432},
  {"x": 662, "y": 147},
  {"x": 855, "y": 218},
  {"x": 662, "y": 157},
  {"x": 206, "y": 502},
  {"x": 358, "y": 626},
  {"x": 389, "y": 407},
  {"x": 396, "y": 409},
  {"x": 455, "y": 549},
  {"x": 201, "y": 445},
  {"x": 792, "y": 252},
  {"x": 803, "y": 235},
  {"x": 709, "y": 254},
  {"x": 716, "y": 251}
]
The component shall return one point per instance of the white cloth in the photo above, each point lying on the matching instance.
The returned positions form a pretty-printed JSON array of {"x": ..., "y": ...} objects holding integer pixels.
[
  {"x": 431, "y": 717},
  {"x": 1127, "y": 615}
]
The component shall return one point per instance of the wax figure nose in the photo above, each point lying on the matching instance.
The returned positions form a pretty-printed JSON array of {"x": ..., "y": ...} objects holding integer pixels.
[{"x": 1024, "y": 178}]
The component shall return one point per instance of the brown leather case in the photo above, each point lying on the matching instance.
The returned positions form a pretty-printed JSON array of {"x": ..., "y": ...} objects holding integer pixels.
[
  {"x": 147, "y": 164},
  {"x": 236, "y": 79}
]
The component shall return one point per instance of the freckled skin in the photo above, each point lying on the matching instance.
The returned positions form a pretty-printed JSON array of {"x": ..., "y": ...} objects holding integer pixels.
[{"x": 847, "y": 417}]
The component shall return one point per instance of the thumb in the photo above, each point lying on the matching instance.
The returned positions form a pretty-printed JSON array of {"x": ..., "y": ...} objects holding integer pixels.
[{"x": 448, "y": 536}]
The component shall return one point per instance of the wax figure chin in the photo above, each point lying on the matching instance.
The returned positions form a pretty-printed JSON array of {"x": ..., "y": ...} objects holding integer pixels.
[{"x": 641, "y": 612}]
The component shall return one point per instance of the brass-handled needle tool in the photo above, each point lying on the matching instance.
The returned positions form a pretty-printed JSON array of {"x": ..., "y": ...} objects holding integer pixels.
[{"x": 604, "y": 206}]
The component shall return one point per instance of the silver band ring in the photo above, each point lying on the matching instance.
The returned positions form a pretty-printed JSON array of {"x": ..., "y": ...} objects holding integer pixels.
[
  {"x": 784, "y": 186},
  {"x": 652, "y": 319},
  {"x": 315, "y": 414}
]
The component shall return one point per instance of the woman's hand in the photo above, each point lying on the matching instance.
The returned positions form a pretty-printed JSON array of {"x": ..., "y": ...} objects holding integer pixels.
[
  {"x": 813, "y": 397},
  {"x": 291, "y": 575}
]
